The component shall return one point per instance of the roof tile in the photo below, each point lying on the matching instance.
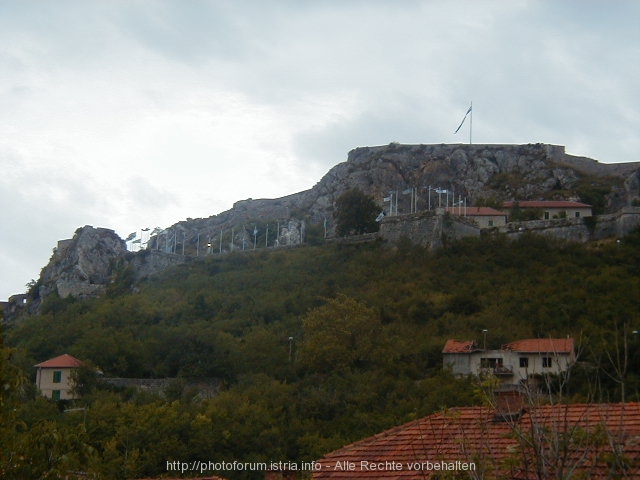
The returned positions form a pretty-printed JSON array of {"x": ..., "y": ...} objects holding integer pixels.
[
  {"x": 541, "y": 345},
  {"x": 457, "y": 346},
  {"x": 472, "y": 435},
  {"x": 546, "y": 204},
  {"x": 476, "y": 211},
  {"x": 62, "y": 361}
]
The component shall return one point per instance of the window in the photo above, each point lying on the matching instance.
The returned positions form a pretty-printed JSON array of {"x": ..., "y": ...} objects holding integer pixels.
[
  {"x": 577, "y": 214},
  {"x": 491, "y": 223},
  {"x": 491, "y": 362},
  {"x": 546, "y": 215},
  {"x": 524, "y": 362},
  {"x": 546, "y": 362},
  {"x": 57, "y": 376},
  {"x": 55, "y": 395}
]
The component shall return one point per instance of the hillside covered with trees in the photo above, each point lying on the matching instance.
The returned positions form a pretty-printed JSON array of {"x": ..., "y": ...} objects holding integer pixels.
[{"x": 315, "y": 347}]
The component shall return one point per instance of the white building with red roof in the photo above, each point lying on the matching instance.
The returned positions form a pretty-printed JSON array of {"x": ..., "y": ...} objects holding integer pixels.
[
  {"x": 54, "y": 378},
  {"x": 514, "y": 363},
  {"x": 550, "y": 209},
  {"x": 484, "y": 217}
]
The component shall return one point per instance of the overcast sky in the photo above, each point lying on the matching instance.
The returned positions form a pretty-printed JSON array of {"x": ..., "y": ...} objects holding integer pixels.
[{"x": 133, "y": 113}]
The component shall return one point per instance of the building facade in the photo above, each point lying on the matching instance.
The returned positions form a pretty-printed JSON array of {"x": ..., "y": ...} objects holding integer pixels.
[
  {"x": 514, "y": 363},
  {"x": 550, "y": 209},
  {"x": 484, "y": 217},
  {"x": 54, "y": 378}
]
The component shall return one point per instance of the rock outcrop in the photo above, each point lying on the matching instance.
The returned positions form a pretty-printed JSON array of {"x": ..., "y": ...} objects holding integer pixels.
[{"x": 83, "y": 265}]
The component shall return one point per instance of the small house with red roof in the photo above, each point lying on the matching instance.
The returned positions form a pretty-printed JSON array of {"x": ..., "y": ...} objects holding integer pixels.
[
  {"x": 514, "y": 363},
  {"x": 594, "y": 441},
  {"x": 550, "y": 209},
  {"x": 54, "y": 378},
  {"x": 484, "y": 217}
]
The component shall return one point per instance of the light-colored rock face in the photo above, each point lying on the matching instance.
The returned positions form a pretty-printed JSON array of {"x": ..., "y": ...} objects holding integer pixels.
[
  {"x": 473, "y": 171},
  {"x": 84, "y": 265}
]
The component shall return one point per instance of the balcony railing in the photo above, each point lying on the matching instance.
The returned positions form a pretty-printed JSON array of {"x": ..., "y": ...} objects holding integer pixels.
[{"x": 498, "y": 370}]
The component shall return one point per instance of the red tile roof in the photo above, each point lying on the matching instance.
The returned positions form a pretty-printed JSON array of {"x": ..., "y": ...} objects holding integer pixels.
[
  {"x": 546, "y": 204},
  {"x": 476, "y": 211},
  {"x": 599, "y": 438},
  {"x": 198, "y": 478},
  {"x": 456, "y": 346},
  {"x": 541, "y": 345},
  {"x": 530, "y": 345},
  {"x": 63, "y": 361}
]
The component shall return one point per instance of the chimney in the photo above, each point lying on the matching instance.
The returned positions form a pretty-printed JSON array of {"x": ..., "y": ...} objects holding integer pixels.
[{"x": 509, "y": 404}]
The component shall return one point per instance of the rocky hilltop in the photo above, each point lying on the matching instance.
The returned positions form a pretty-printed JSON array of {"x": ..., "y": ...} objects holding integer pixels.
[
  {"x": 475, "y": 172},
  {"x": 86, "y": 264},
  {"x": 478, "y": 173}
]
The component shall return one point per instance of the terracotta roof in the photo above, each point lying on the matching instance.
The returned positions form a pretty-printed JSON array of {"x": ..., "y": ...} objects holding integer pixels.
[
  {"x": 197, "y": 478},
  {"x": 474, "y": 437},
  {"x": 456, "y": 346},
  {"x": 476, "y": 211},
  {"x": 541, "y": 345},
  {"x": 63, "y": 361},
  {"x": 546, "y": 204}
]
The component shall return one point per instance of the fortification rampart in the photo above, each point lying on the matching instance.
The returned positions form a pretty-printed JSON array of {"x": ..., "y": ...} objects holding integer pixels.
[
  {"x": 598, "y": 227},
  {"x": 431, "y": 228},
  {"x": 423, "y": 228}
]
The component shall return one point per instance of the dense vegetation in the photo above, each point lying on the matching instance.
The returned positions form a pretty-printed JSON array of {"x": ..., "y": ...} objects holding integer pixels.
[{"x": 317, "y": 347}]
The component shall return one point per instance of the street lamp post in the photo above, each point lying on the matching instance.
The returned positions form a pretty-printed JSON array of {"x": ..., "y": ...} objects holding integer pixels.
[{"x": 290, "y": 348}]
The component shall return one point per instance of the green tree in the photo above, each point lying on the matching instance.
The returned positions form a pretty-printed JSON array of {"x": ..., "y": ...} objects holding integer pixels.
[
  {"x": 340, "y": 335},
  {"x": 31, "y": 447},
  {"x": 12, "y": 381},
  {"x": 355, "y": 213}
]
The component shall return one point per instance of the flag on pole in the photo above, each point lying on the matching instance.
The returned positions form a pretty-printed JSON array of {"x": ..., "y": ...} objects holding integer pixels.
[{"x": 462, "y": 122}]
